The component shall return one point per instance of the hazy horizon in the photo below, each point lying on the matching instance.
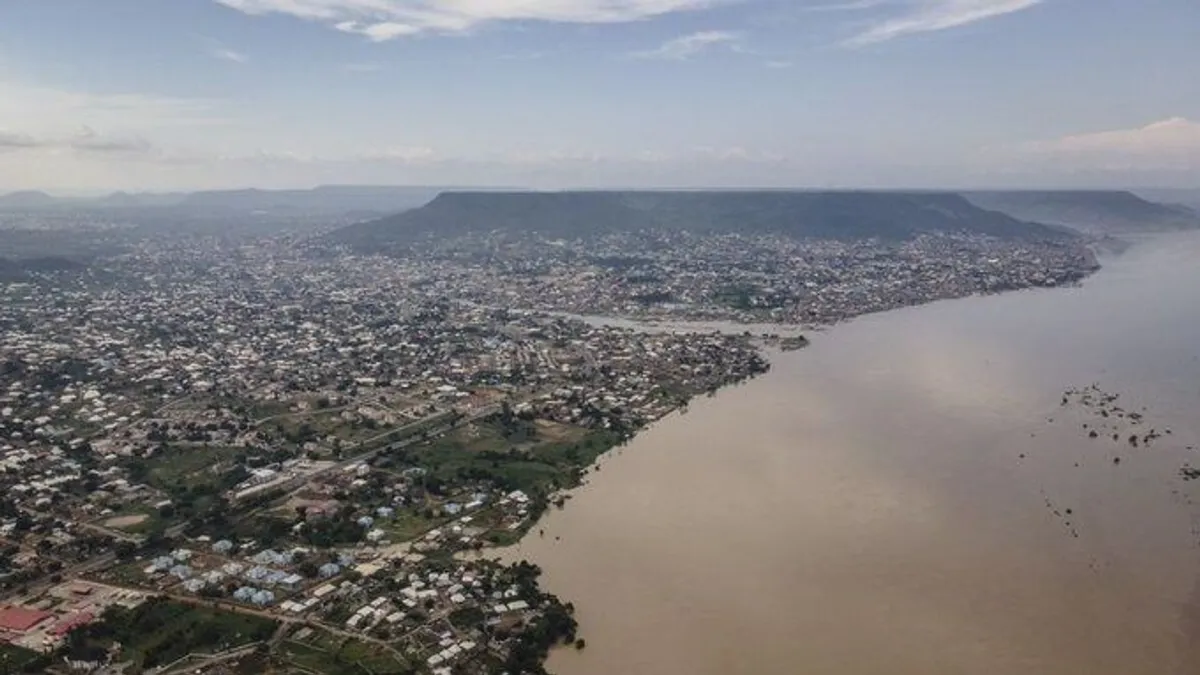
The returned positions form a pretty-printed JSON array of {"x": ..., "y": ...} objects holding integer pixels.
[{"x": 75, "y": 194}]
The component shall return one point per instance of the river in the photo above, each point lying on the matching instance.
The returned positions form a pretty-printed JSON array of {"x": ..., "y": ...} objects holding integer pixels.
[{"x": 909, "y": 496}]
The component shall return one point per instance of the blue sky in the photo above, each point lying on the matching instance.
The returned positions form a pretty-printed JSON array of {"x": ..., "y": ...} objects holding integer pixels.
[{"x": 170, "y": 94}]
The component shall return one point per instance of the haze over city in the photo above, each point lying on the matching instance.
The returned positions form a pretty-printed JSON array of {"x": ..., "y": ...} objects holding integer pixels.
[{"x": 141, "y": 95}]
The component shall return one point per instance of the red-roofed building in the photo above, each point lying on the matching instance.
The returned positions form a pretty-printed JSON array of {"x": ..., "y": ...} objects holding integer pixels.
[
  {"x": 71, "y": 622},
  {"x": 21, "y": 620}
]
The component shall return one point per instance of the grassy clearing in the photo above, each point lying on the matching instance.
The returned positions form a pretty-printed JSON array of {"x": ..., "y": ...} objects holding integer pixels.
[
  {"x": 323, "y": 653},
  {"x": 530, "y": 457},
  {"x": 302, "y": 427},
  {"x": 135, "y": 519},
  {"x": 161, "y": 631},
  {"x": 408, "y": 524},
  {"x": 187, "y": 464},
  {"x": 129, "y": 574}
]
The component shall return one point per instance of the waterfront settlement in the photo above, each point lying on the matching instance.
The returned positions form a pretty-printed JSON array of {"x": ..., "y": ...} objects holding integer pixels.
[{"x": 225, "y": 453}]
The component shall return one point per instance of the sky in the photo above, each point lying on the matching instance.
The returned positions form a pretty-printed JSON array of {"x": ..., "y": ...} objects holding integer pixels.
[{"x": 155, "y": 95}]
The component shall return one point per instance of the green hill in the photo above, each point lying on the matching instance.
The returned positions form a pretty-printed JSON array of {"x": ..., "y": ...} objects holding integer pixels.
[
  {"x": 1093, "y": 212},
  {"x": 830, "y": 215}
]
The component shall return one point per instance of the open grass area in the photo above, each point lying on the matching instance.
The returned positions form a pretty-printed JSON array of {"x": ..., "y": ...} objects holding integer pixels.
[
  {"x": 408, "y": 524},
  {"x": 322, "y": 423},
  {"x": 161, "y": 631},
  {"x": 135, "y": 519},
  {"x": 128, "y": 574},
  {"x": 329, "y": 655},
  {"x": 187, "y": 464},
  {"x": 314, "y": 659},
  {"x": 536, "y": 459},
  {"x": 357, "y": 435},
  {"x": 260, "y": 410}
]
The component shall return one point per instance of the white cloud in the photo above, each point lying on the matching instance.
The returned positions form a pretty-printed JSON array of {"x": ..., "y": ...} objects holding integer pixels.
[
  {"x": 852, "y": 6},
  {"x": 381, "y": 20},
  {"x": 1172, "y": 143},
  {"x": 44, "y": 111},
  {"x": 923, "y": 16},
  {"x": 88, "y": 140},
  {"x": 226, "y": 54},
  {"x": 85, "y": 139},
  {"x": 526, "y": 55},
  {"x": 737, "y": 154},
  {"x": 687, "y": 46},
  {"x": 378, "y": 32},
  {"x": 64, "y": 138},
  {"x": 1174, "y": 135},
  {"x": 11, "y": 140},
  {"x": 404, "y": 154}
]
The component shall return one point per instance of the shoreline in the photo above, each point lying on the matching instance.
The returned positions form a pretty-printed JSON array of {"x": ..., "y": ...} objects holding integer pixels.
[
  {"x": 759, "y": 328},
  {"x": 765, "y": 336}
]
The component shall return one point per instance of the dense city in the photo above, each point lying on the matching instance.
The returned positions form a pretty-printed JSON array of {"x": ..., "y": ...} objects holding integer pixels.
[
  {"x": 260, "y": 454},
  {"x": 680, "y": 275}
]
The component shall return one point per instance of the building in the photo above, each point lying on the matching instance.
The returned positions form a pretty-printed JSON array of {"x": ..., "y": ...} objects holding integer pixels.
[
  {"x": 69, "y": 623},
  {"x": 16, "y": 621}
]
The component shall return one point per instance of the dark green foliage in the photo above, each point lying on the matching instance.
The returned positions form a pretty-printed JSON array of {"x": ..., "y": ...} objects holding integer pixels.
[
  {"x": 554, "y": 627},
  {"x": 160, "y": 631},
  {"x": 467, "y": 617},
  {"x": 15, "y": 659},
  {"x": 537, "y": 471}
]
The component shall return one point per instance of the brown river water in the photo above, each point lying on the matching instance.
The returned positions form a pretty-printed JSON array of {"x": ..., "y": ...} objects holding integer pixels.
[{"x": 893, "y": 500}]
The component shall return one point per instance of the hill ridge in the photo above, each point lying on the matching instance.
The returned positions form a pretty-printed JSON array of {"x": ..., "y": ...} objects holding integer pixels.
[
  {"x": 1099, "y": 212},
  {"x": 818, "y": 214}
]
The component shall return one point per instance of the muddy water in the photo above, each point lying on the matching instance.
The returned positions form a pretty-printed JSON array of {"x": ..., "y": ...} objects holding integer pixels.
[{"x": 893, "y": 500}]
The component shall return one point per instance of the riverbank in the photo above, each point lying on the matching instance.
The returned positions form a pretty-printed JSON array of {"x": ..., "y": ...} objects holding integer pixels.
[{"x": 876, "y": 503}]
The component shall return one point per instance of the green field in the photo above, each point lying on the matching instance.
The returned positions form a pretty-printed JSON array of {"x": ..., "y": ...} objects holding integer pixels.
[
  {"x": 408, "y": 525},
  {"x": 357, "y": 436},
  {"x": 161, "y": 631},
  {"x": 302, "y": 427},
  {"x": 153, "y": 520},
  {"x": 323, "y": 653},
  {"x": 536, "y": 461},
  {"x": 180, "y": 465}
]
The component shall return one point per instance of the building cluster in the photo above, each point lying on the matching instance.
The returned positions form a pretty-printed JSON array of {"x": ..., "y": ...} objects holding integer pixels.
[
  {"x": 678, "y": 275},
  {"x": 43, "y": 623},
  {"x": 443, "y": 614}
]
